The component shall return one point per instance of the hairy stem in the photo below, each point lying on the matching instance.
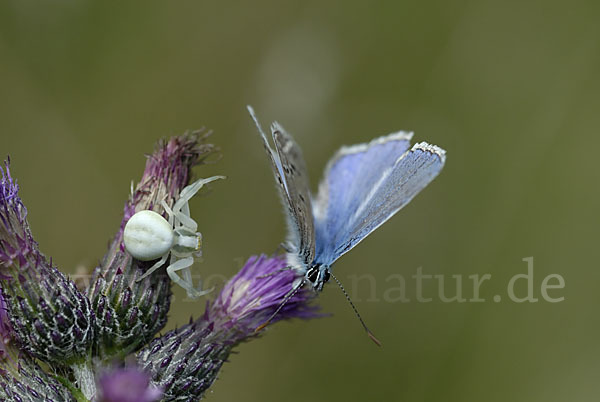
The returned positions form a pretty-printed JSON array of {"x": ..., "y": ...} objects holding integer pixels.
[{"x": 84, "y": 376}]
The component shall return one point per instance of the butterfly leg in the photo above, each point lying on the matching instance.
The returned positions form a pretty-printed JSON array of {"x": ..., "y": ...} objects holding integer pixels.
[
  {"x": 286, "y": 298},
  {"x": 282, "y": 247},
  {"x": 275, "y": 272}
]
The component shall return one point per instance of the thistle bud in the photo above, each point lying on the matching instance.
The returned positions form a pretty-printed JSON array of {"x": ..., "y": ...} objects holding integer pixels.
[
  {"x": 21, "y": 379},
  {"x": 28, "y": 382},
  {"x": 130, "y": 311}
]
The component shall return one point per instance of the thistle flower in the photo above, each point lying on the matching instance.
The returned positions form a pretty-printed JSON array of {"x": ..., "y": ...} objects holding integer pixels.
[
  {"x": 51, "y": 319},
  {"x": 128, "y": 385},
  {"x": 254, "y": 293},
  {"x": 186, "y": 361},
  {"x": 130, "y": 312}
]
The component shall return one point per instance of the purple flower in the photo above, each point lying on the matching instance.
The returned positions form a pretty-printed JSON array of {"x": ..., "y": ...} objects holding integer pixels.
[
  {"x": 250, "y": 298},
  {"x": 51, "y": 319},
  {"x": 128, "y": 385},
  {"x": 167, "y": 172},
  {"x": 186, "y": 361},
  {"x": 16, "y": 242},
  {"x": 129, "y": 311}
]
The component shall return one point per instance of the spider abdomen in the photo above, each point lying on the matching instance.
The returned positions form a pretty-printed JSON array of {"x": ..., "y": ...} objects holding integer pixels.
[{"x": 148, "y": 236}]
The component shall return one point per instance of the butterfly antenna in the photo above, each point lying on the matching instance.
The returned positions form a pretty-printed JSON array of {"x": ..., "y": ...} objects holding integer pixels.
[
  {"x": 369, "y": 333},
  {"x": 287, "y": 298}
]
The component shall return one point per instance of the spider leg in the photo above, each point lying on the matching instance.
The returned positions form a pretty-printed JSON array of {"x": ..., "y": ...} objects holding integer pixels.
[
  {"x": 153, "y": 268},
  {"x": 188, "y": 192},
  {"x": 169, "y": 212},
  {"x": 185, "y": 209},
  {"x": 187, "y": 276},
  {"x": 179, "y": 265},
  {"x": 186, "y": 221}
]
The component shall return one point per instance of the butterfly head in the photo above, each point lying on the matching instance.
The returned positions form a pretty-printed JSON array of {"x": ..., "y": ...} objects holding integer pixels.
[{"x": 317, "y": 276}]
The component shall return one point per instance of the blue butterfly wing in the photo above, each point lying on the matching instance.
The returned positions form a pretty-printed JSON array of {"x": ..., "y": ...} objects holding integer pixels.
[
  {"x": 349, "y": 176},
  {"x": 364, "y": 186}
]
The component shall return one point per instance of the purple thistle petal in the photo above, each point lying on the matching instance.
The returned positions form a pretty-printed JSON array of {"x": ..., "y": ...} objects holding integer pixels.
[
  {"x": 128, "y": 385},
  {"x": 254, "y": 293}
]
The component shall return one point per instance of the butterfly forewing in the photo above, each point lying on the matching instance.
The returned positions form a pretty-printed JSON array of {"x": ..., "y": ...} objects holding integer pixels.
[
  {"x": 391, "y": 188},
  {"x": 349, "y": 177}
]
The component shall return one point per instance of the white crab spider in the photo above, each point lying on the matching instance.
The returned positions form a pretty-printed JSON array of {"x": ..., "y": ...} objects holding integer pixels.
[{"x": 148, "y": 236}]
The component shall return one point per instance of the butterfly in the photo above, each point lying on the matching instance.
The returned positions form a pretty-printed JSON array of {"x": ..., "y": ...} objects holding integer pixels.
[{"x": 363, "y": 186}]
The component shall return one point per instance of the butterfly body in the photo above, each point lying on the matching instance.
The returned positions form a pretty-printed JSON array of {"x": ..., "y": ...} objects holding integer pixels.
[{"x": 314, "y": 274}]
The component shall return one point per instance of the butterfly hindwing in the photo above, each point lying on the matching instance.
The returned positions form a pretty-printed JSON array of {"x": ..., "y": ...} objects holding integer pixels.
[
  {"x": 296, "y": 178},
  {"x": 289, "y": 170},
  {"x": 273, "y": 158}
]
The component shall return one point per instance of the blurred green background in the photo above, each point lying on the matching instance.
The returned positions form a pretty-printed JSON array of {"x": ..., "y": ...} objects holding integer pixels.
[{"x": 508, "y": 88}]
